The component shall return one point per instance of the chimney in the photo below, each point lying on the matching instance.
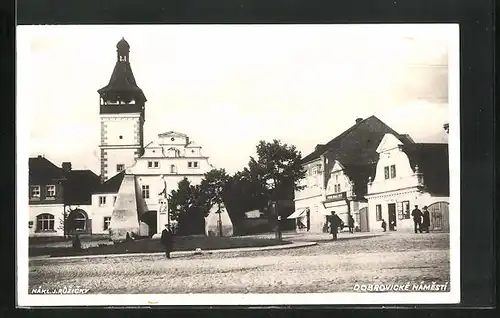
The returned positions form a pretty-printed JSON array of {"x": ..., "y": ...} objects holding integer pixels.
[
  {"x": 358, "y": 120},
  {"x": 318, "y": 146},
  {"x": 66, "y": 166}
]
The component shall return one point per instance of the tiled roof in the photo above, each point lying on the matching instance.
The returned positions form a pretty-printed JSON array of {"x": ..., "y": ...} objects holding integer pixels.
[
  {"x": 122, "y": 80},
  {"x": 79, "y": 186},
  {"x": 433, "y": 162},
  {"x": 111, "y": 185},
  {"x": 41, "y": 170},
  {"x": 361, "y": 138},
  {"x": 357, "y": 148},
  {"x": 360, "y": 174}
]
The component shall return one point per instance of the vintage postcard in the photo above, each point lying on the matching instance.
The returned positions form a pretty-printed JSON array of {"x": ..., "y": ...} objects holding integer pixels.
[{"x": 238, "y": 164}]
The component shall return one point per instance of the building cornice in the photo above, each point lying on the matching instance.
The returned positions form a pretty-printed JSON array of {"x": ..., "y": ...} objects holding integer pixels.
[
  {"x": 120, "y": 115},
  {"x": 394, "y": 192},
  {"x": 309, "y": 197},
  {"x": 120, "y": 146},
  {"x": 182, "y": 157}
]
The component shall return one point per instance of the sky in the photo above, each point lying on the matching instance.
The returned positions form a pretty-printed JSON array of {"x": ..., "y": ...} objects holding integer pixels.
[{"x": 229, "y": 86}]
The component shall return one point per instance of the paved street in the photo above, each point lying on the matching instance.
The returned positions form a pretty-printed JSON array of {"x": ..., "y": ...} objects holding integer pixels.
[{"x": 326, "y": 267}]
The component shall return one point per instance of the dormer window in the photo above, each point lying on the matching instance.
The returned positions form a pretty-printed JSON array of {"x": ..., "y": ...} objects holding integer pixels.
[
  {"x": 173, "y": 169},
  {"x": 173, "y": 152}
]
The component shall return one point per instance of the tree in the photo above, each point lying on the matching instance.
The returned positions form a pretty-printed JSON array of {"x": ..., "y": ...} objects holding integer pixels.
[
  {"x": 213, "y": 188},
  {"x": 186, "y": 207},
  {"x": 67, "y": 224},
  {"x": 277, "y": 169}
]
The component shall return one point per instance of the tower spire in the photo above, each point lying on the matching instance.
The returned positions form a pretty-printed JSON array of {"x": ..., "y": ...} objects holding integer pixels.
[{"x": 122, "y": 50}]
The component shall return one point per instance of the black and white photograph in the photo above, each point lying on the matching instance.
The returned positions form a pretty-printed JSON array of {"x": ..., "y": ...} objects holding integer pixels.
[{"x": 248, "y": 164}]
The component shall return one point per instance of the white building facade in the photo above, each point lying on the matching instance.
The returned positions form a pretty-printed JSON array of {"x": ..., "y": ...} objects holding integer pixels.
[
  {"x": 310, "y": 213},
  {"x": 407, "y": 177}
]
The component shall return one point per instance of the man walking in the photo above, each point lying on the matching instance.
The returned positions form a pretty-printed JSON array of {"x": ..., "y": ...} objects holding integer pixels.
[
  {"x": 417, "y": 219},
  {"x": 166, "y": 240},
  {"x": 426, "y": 220},
  {"x": 334, "y": 225}
]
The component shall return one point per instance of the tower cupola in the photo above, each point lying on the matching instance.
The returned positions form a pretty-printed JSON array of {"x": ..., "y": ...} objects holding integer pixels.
[{"x": 122, "y": 50}]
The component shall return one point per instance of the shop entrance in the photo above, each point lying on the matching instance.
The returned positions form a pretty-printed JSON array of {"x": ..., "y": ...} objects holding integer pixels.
[{"x": 392, "y": 216}]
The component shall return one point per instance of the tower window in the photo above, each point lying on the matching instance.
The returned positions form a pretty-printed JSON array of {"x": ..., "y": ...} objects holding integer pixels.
[
  {"x": 173, "y": 169},
  {"x": 121, "y": 137},
  {"x": 172, "y": 139},
  {"x": 195, "y": 164},
  {"x": 145, "y": 191}
]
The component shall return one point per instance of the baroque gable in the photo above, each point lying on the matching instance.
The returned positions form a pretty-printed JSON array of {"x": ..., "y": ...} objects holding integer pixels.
[{"x": 388, "y": 143}]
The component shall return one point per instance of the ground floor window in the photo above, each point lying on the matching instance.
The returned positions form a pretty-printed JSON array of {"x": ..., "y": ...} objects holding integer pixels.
[
  {"x": 107, "y": 222},
  {"x": 378, "y": 212},
  {"x": 404, "y": 210},
  {"x": 45, "y": 222}
]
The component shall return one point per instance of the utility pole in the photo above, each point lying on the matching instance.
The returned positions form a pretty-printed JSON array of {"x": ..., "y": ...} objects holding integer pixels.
[
  {"x": 278, "y": 220},
  {"x": 219, "y": 222}
]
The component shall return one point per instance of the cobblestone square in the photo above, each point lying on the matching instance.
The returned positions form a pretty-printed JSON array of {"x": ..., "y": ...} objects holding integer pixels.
[{"x": 392, "y": 258}]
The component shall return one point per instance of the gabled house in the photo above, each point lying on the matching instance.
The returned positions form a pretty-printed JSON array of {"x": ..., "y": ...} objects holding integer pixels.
[
  {"x": 409, "y": 175},
  {"x": 58, "y": 193},
  {"x": 337, "y": 174}
]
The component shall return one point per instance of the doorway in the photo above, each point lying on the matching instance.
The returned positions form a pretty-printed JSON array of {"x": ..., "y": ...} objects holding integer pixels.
[
  {"x": 149, "y": 218},
  {"x": 392, "y": 216}
]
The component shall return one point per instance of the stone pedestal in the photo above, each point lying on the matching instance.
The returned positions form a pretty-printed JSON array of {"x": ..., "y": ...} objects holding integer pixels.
[{"x": 124, "y": 218}]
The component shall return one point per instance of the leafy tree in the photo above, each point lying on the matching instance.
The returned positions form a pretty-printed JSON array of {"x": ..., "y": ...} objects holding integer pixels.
[
  {"x": 213, "y": 187},
  {"x": 186, "y": 207},
  {"x": 277, "y": 169}
]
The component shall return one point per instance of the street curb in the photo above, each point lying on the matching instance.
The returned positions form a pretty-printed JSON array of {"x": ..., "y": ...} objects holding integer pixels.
[{"x": 182, "y": 253}]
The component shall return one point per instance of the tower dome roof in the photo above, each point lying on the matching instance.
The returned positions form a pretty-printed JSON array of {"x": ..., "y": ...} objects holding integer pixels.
[{"x": 123, "y": 45}]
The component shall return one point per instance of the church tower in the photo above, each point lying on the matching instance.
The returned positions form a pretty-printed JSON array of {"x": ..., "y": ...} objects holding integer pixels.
[{"x": 122, "y": 115}]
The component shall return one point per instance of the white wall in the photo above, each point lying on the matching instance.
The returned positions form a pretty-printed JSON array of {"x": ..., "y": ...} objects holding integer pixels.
[
  {"x": 313, "y": 180},
  {"x": 156, "y": 185},
  {"x": 119, "y": 156},
  {"x": 338, "y": 177},
  {"x": 101, "y": 211},
  {"x": 124, "y": 125},
  {"x": 317, "y": 211},
  {"x": 164, "y": 166},
  {"x": 390, "y": 154},
  {"x": 57, "y": 210}
]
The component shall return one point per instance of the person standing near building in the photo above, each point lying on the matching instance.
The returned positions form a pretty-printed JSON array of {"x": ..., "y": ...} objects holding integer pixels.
[
  {"x": 334, "y": 225},
  {"x": 426, "y": 220},
  {"x": 350, "y": 222},
  {"x": 166, "y": 240},
  {"x": 384, "y": 225},
  {"x": 417, "y": 219}
]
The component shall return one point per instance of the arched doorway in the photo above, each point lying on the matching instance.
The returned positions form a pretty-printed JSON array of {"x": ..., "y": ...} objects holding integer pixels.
[
  {"x": 439, "y": 215},
  {"x": 78, "y": 222},
  {"x": 149, "y": 217}
]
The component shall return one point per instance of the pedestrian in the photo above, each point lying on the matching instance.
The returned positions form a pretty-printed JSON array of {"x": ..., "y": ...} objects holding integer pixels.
[
  {"x": 384, "y": 225},
  {"x": 426, "y": 220},
  {"x": 351, "y": 224},
  {"x": 417, "y": 219},
  {"x": 335, "y": 222},
  {"x": 166, "y": 240}
]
